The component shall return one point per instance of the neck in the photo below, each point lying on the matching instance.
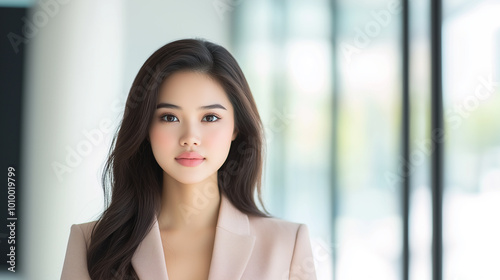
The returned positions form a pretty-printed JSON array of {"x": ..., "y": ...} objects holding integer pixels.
[{"x": 189, "y": 207}]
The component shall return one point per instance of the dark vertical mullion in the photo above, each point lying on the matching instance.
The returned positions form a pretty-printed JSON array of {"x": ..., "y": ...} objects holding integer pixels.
[
  {"x": 406, "y": 136},
  {"x": 333, "y": 133},
  {"x": 437, "y": 133}
]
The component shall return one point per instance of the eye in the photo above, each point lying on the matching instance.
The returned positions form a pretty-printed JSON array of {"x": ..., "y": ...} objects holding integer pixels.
[
  {"x": 211, "y": 118},
  {"x": 169, "y": 118},
  {"x": 172, "y": 118}
]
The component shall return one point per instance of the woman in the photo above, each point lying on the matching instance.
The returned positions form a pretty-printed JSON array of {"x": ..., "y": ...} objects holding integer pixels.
[{"x": 185, "y": 165}]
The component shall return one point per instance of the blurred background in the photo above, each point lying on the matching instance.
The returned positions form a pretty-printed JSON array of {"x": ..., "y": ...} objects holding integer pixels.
[{"x": 351, "y": 93}]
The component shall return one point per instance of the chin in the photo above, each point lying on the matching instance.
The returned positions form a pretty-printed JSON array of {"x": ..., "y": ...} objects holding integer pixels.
[{"x": 189, "y": 178}]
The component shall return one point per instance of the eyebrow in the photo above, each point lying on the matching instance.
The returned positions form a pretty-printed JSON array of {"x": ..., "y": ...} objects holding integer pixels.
[{"x": 172, "y": 106}]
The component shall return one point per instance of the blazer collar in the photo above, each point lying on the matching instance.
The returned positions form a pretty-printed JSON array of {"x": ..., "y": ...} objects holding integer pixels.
[{"x": 233, "y": 246}]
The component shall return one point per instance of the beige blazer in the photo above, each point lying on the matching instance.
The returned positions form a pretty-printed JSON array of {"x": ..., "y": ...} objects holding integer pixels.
[{"x": 246, "y": 248}]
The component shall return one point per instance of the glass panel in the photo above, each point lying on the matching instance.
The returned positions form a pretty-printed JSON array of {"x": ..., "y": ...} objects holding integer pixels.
[
  {"x": 287, "y": 61},
  {"x": 285, "y": 52},
  {"x": 369, "y": 221},
  {"x": 471, "y": 206}
]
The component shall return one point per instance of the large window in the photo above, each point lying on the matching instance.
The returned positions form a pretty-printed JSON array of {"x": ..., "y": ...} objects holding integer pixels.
[{"x": 353, "y": 95}]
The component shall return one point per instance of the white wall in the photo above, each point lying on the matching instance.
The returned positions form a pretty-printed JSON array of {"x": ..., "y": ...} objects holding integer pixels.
[
  {"x": 152, "y": 23},
  {"x": 82, "y": 58}
]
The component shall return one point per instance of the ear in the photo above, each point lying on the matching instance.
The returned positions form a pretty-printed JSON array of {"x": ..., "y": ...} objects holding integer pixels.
[{"x": 235, "y": 134}]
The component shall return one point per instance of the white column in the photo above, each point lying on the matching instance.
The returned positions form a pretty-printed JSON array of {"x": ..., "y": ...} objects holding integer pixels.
[
  {"x": 74, "y": 76},
  {"x": 81, "y": 60}
]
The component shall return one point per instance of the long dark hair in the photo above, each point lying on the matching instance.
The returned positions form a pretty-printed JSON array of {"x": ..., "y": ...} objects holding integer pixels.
[{"x": 134, "y": 176}]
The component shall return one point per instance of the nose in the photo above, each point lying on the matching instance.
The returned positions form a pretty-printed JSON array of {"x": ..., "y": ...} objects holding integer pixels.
[{"x": 189, "y": 137}]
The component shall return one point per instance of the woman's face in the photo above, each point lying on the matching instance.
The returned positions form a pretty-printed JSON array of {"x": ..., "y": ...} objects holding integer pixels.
[{"x": 193, "y": 115}]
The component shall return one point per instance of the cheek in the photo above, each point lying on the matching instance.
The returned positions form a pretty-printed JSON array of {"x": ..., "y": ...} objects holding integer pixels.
[
  {"x": 160, "y": 139},
  {"x": 219, "y": 140}
]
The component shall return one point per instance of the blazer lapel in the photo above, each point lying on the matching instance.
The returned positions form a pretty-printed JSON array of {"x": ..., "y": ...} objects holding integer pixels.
[
  {"x": 148, "y": 259},
  {"x": 233, "y": 243},
  {"x": 233, "y": 247}
]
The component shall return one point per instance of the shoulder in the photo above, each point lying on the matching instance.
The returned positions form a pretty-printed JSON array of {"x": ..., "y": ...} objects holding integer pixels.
[
  {"x": 274, "y": 228},
  {"x": 275, "y": 224},
  {"x": 75, "y": 261},
  {"x": 82, "y": 232},
  {"x": 282, "y": 244}
]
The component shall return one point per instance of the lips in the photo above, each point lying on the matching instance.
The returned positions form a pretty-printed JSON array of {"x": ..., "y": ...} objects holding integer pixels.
[
  {"x": 189, "y": 155},
  {"x": 190, "y": 159}
]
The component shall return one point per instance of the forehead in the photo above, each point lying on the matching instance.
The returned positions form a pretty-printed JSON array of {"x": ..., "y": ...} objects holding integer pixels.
[{"x": 191, "y": 88}]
